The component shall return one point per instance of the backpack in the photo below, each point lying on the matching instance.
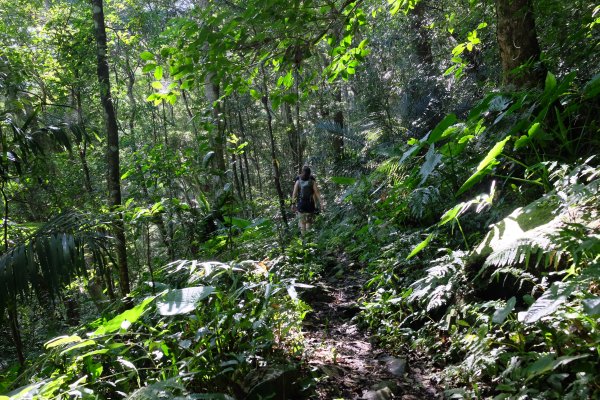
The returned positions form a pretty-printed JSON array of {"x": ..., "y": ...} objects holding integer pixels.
[{"x": 306, "y": 203}]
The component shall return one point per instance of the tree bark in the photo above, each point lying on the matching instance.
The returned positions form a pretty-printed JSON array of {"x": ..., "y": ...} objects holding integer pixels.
[
  {"x": 82, "y": 142},
  {"x": 114, "y": 174},
  {"x": 519, "y": 47},
  {"x": 276, "y": 171},
  {"x": 337, "y": 141},
  {"x": 211, "y": 91}
]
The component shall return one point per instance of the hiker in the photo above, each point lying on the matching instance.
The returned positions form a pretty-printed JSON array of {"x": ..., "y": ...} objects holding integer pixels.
[{"x": 307, "y": 192}]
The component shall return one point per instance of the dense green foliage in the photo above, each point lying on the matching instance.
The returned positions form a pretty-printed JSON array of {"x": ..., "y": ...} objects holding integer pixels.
[{"x": 467, "y": 193}]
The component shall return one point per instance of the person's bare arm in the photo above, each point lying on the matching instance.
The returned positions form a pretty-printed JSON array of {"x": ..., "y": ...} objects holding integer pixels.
[{"x": 294, "y": 194}]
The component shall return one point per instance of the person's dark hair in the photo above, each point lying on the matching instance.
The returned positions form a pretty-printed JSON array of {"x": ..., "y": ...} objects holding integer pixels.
[{"x": 305, "y": 173}]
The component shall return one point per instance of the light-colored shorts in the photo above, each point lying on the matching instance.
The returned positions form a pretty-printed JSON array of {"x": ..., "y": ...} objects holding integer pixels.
[{"x": 306, "y": 218}]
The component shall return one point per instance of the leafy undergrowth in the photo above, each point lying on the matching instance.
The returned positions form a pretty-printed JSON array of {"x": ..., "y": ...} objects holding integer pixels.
[
  {"x": 207, "y": 330},
  {"x": 514, "y": 317},
  {"x": 499, "y": 290}
]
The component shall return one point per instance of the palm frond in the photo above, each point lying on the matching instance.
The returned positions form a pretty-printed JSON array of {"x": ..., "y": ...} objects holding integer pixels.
[{"x": 51, "y": 257}]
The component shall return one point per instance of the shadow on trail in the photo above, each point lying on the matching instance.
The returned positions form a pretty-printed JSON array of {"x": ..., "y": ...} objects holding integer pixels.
[{"x": 344, "y": 361}]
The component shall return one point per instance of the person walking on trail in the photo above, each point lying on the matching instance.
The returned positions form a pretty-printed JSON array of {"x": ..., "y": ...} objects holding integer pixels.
[{"x": 308, "y": 195}]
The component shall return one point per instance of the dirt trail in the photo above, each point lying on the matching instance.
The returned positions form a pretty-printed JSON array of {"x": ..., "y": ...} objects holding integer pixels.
[{"x": 348, "y": 365}]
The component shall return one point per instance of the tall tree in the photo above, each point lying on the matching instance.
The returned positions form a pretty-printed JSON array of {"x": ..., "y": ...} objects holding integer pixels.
[
  {"x": 114, "y": 174},
  {"x": 518, "y": 43}
]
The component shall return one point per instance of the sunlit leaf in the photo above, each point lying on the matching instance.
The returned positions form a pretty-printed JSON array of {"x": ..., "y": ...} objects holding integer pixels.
[
  {"x": 548, "y": 302},
  {"x": 182, "y": 301},
  {"x": 501, "y": 314},
  {"x": 146, "y": 55},
  {"x": 61, "y": 340},
  {"x": 484, "y": 166},
  {"x": 130, "y": 315},
  {"x": 420, "y": 246},
  {"x": 591, "y": 306}
]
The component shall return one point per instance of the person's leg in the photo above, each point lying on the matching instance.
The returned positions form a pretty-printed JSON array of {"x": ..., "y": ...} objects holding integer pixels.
[
  {"x": 302, "y": 222},
  {"x": 308, "y": 222}
]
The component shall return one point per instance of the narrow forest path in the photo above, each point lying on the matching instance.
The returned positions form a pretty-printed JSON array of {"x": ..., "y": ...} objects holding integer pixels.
[{"x": 348, "y": 365}]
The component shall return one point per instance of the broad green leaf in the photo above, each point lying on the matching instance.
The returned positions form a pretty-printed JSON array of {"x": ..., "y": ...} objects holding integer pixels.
[
  {"x": 157, "y": 85},
  {"x": 550, "y": 82},
  {"x": 127, "y": 174},
  {"x": 148, "y": 67},
  {"x": 450, "y": 214},
  {"x": 591, "y": 306},
  {"x": 146, "y": 55},
  {"x": 542, "y": 365},
  {"x": 343, "y": 180},
  {"x": 494, "y": 152},
  {"x": 432, "y": 159},
  {"x": 59, "y": 341},
  {"x": 158, "y": 73},
  {"x": 548, "y": 302},
  {"x": 531, "y": 133},
  {"x": 85, "y": 343},
  {"x": 439, "y": 129},
  {"x": 239, "y": 222},
  {"x": 206, "y": 160},
  {"x": 183, "y": 301},
  {"x": 484, "y": 166},
  {"x": 255, "y": 94},
  {"x": 548, "y": 363},
  {"x": 592, "y": 88},
  {"x": 420, "y": 246},
  {"x": 130, "y": 315},
  {"x": 500, "y": 315}
]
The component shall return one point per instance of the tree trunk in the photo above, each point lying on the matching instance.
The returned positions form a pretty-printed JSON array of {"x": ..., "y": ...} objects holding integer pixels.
[
  {"x": 114, "y": 174},
  {"x": 276, "y": 171},
  {"x": 13, "y": 319},
  {"x": 422, "y": 41},
  {"x": 245, "y": 158},
  {"x": 337, "y": 141},
  {"x": 519, "y": 47},
  {"x": 211, "y": 91},
  {"x": 82, "y": 141}
]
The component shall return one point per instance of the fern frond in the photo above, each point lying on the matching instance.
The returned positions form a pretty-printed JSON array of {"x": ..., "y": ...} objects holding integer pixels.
[
  {"x": 523, "y": 250},
  {"x": 439, "y": 284},
  {"x": 421, "y": 199}
]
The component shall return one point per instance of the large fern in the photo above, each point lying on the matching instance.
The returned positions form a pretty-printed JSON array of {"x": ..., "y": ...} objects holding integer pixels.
[
  {"x": 440, "y": 282},
  {"x": 540, "y": 235}
]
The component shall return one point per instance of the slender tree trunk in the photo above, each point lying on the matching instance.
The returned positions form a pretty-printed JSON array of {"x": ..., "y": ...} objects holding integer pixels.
[
  {"x": 114, "y": 174},
  {"x": 238, "y": 170},
  {"x": 301, "y": 137},
  {"x": 337, "y": 141},
  {"x": 13, "y": 316},
  {"x": 254, "y": 156},
  {"x": 293, "y": 138},
  {"x": 422, "y": 41},
  {"x": 211, "y": 91},
  {"x": 519, "y": 47},
  {"x": 82, "y": 143},
  {"x": 13, "y": 319},
  {"x": 276, "y": 171},
  {"x": 245, "y": 159},
  {"x": 189, "y": 113}
]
